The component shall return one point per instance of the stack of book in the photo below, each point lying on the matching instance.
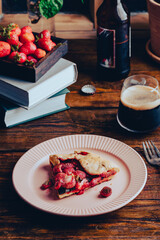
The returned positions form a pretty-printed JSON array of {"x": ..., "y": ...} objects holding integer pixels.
[{"x": 22, "y": 101}]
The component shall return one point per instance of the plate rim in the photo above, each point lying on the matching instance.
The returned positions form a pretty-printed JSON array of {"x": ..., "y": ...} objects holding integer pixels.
[{"x": 74, "y": 136}]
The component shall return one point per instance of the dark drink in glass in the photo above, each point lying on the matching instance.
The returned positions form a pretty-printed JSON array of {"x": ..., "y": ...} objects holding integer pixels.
[{"x": 139, "y": 107}]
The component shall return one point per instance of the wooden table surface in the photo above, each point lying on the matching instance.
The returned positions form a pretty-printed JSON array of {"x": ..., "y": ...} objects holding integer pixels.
[{"x": 139, "y": 219}]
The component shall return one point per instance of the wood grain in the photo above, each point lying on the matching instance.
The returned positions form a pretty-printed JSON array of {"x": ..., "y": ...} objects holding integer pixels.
[
  {"x": 76, "y": 26},
  {"x": 140, "y": 219}
]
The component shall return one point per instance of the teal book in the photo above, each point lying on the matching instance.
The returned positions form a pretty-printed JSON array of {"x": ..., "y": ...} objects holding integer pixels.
[{"x": 11, "y": 114}]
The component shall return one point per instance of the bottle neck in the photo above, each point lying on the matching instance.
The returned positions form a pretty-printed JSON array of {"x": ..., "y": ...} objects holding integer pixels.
[
  {"x": 112, "y": 3},
  {"x": 116, "y": 6}
]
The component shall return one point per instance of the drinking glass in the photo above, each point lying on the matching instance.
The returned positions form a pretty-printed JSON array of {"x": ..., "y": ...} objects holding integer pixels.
[{"x": 139, "y": 106}]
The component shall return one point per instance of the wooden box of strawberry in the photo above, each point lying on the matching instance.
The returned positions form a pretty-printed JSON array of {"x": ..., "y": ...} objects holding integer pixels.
[{"x": 26, "y": 55}]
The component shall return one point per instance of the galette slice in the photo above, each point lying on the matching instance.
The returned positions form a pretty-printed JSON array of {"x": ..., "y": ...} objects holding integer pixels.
[{"x": 74, "y": 173}]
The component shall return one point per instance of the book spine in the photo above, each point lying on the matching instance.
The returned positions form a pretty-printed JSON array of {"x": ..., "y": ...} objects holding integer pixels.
[
  {"x": 2, "y": 117},
  {"x": 37, "y": 117}
]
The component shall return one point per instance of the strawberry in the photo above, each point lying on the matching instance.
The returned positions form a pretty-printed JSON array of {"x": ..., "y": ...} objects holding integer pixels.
[
  {"x": 105, "y": 192},
  {"x": 17, "y": 57},
  {"x": 22, "y": 57},
  {"x": 28, "y": 48},
  {"x": 45, "y": 34},
  {"x": 12, "y": 56},
  {"x": 46, "y": 44},
  {"x": 27, "y": 37},
  {"x": 39, "y": 53},
  {"x": 32, "y": 59},
  {"x": 14, "y": 28},
  {"x": 5, "y": 49},
  {"x": 20, "y": 44},
  {"x": 16, "y": 47},
  {"x": 26, "y": 29},
  {"x": 12, "y": 38}
]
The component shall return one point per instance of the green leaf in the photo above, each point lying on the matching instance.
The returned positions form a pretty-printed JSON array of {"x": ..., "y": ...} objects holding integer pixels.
[{"x": 49, "y": 8}]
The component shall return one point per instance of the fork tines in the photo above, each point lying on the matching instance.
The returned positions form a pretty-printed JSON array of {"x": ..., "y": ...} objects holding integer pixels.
[{"x": 151, "y": 152}]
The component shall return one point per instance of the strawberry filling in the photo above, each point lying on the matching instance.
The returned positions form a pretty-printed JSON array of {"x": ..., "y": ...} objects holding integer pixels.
[
  {"x": 105, "y": 192},
  {"x": 47, "y": 184},
  {"x": 70, "y": 177},
  {"x": 83, "y": 153}
]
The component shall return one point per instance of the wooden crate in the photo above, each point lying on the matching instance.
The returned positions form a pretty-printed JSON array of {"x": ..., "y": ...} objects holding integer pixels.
[
  {"x": 78, "y": 26},
  {"x": 35, "y": 72}
]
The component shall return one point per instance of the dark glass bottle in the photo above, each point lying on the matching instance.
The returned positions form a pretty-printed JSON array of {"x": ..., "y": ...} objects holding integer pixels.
[{"x": 113, "y": 40}]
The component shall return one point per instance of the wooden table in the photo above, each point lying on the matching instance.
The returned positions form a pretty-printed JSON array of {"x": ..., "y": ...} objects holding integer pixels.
[{"x": 140, "y": 219}]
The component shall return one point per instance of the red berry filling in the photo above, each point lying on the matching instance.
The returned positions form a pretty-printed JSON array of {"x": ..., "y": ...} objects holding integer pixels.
[
  {"x": 47, "y": 184},
  {"x": 105, "y": 192},
  {"x": 69, "y": 176}
]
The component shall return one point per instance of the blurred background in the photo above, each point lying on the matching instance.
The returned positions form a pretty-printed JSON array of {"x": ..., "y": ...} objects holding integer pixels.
[
  {"x": 75, "y": 20},
  {"x": 74, "y": 6}
]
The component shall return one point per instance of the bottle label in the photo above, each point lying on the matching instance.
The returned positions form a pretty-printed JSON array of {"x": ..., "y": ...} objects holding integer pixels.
[
  {"x": 113, "y": 47},
  {"x": 106, "y": 47}
]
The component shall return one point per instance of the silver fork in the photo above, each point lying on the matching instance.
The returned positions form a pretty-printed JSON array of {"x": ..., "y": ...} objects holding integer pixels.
[{"x": 152, "y": 153}]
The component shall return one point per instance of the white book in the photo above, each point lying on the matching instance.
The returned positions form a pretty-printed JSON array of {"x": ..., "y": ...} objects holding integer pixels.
[
  {"x": 27, "y": 94},
  {"x": 12, "y": 115}
]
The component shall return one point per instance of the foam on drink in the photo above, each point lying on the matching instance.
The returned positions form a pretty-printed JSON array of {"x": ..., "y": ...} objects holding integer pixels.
[{"x": 140, "y": 97}]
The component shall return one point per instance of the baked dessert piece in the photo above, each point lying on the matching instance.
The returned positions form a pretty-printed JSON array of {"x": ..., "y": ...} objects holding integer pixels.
[{"x": 75, "y": 172}]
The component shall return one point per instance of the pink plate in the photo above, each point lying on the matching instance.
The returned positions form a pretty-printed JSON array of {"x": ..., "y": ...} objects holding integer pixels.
[{"x": 32, "y": 170}]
